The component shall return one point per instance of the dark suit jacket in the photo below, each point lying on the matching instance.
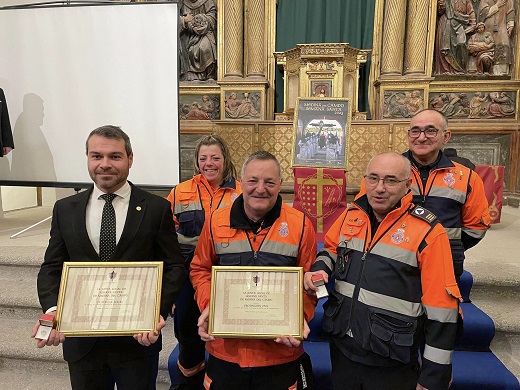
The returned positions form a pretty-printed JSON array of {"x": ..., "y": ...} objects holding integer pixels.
[
  {"x": 6, "y": 135},
  {"x": 148, "y": 235}
]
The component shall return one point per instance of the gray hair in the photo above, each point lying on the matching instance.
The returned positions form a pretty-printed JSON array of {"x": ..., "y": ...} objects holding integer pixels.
[{"x": 263, "y": 156}]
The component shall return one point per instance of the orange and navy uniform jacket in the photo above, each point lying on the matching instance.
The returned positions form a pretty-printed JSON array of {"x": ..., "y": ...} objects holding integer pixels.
[
  {"x": 192, "y": 203},
  {"x": 285, "y": 238},
  {"x": 455, "y": 194},
  {"x": 393, "y": 289}
]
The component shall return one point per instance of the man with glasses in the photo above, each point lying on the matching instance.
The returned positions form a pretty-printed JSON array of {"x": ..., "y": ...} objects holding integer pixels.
[
  {"x": 451, "y": 191},
  {"x": 394, "y": 287}
]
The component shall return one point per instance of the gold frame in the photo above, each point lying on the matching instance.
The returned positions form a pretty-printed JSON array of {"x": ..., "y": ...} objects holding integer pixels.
[
  {"x": 328, "y": 112},
  {"x": 65, "y": 324},
  {"x": 293, "y": 325}
]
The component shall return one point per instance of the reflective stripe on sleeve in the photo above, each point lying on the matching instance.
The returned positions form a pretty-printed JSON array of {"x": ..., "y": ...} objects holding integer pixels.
[
  {"x": 453, "y": 233},
  {"x": 474, "y": 232},
  {"x": 326, "y": 260},
  {"x": 441, "y": 314},
  {"x": 436, "y": 355},
  {"x": 184, "y": 240}
]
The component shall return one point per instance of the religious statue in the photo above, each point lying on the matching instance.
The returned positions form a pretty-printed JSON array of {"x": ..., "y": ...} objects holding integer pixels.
[
  {"x": 240, "y": 109},
  {"x": 208, "y": 108},
  {"x": 457, "y": 20},
  {"x": 403, "y": 105},
  {"x": 499, "y": 19},
  {"x": 198, "y": 40},
  {"x": 475, "y": 105},
  {"x": 501, "y": 105},
  {"x": 194, "y": 112},
  {"x": 481, "y": 48},
  {"x": 438, "y": 102}
]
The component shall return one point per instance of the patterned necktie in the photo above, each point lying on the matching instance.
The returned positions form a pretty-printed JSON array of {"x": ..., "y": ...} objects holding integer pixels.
[{"x": 107, "y": 236}]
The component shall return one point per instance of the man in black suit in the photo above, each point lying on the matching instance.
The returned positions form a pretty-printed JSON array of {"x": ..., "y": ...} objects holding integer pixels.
[
  {"x": 144, "y": 232},
  {"x": 6, "y": 135}
]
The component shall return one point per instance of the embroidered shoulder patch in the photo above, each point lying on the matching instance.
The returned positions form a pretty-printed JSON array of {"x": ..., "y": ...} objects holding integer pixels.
[{"x": 424, "y": 214}]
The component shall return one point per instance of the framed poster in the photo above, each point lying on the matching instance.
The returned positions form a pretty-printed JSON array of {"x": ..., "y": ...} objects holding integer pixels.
[
  {"x": 321, "y": 131},
  {"x": 256, "y": 302},
  {"x": 109, "y": 298}
]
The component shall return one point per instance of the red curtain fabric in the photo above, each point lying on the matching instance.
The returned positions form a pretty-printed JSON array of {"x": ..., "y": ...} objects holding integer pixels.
[
  {"x": 493, "y": 178},
  {"x": 321, "y": 194}
]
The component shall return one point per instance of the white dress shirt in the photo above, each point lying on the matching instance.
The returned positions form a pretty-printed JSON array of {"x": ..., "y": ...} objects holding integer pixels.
[{"x": 95, "y": 211}]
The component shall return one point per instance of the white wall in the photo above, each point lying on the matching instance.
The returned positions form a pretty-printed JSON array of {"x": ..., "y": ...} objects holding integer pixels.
[{"x": 12, "y": 198}]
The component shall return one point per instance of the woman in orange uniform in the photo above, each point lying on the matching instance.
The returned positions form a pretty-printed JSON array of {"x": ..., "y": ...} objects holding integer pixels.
[{"x": 213, "y": 186}]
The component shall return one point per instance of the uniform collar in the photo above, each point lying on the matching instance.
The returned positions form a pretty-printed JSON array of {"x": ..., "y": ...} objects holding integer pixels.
[
  {"x": 231, "y": 183},
  {"x": 239, "y": 219}
]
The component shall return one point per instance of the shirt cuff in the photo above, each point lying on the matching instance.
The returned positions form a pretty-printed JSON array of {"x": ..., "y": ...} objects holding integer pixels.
[{"x": 51, "y": 309}]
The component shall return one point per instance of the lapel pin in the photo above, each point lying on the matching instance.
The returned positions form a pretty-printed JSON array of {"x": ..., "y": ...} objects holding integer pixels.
[{"x": 138, "y": 208}]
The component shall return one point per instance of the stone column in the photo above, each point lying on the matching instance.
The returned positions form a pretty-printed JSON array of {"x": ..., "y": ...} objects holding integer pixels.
[
  {"x": 255, "y": 37},
  {"x": 393, "y": 37},
  {"x": 416, "y": 37},
  {"x": 233, "y": 38}
]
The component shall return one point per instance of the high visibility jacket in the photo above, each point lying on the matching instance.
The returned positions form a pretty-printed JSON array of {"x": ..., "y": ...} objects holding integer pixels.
[
  {"x": 192, "y": 203},
  {"x": 392, "y": 290},
  {"x": 289, "y": 241},
  {"x": 455, "y": 194}
]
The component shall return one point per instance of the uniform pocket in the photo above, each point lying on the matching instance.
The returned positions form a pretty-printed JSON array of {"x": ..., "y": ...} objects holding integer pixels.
[
  {"x": 390, "y": 334},
  {"x": 190, "y": 223},
  {"x": 335, "y": 314}
]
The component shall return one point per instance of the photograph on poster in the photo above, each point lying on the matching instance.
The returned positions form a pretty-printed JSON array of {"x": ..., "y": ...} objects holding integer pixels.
[{"x": 321, "y": 129}]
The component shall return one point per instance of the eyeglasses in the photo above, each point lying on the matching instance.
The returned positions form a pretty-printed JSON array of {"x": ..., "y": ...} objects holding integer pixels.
[
  {"x": 388, "y": 181},
  {"x": 429, "y": 132}
]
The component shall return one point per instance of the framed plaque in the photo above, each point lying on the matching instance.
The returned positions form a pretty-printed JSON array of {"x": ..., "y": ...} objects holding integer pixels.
[
  {"x": 109, "y": 298},
  {"x": 256, "y": 302}
]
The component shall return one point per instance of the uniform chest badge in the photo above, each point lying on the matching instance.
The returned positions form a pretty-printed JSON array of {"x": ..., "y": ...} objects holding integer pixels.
[
  {"x": 449, "y": 179},
  {"x": 283, "y": 230},
  {"x": 398, "y": 236},
  {"x": 233, "y": 197}
]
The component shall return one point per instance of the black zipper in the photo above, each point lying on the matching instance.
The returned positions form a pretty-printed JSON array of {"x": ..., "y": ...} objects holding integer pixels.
[{"x": 369, "y": 247}]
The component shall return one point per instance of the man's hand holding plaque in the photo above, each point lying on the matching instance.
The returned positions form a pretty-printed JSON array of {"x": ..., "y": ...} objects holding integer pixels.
[
  {"x": 203, "y": 326},
  {"x": 290, "y": 341},
  {"x": 151, "y": 337}
]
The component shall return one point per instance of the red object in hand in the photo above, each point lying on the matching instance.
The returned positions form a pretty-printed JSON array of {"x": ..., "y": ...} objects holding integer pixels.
[
  {"x": 317, "y": 280},
  {"x": 47, "y": 320}
]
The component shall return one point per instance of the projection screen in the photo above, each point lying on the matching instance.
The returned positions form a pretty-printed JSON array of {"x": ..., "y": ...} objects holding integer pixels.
[{"x": 67, "y": 70}]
